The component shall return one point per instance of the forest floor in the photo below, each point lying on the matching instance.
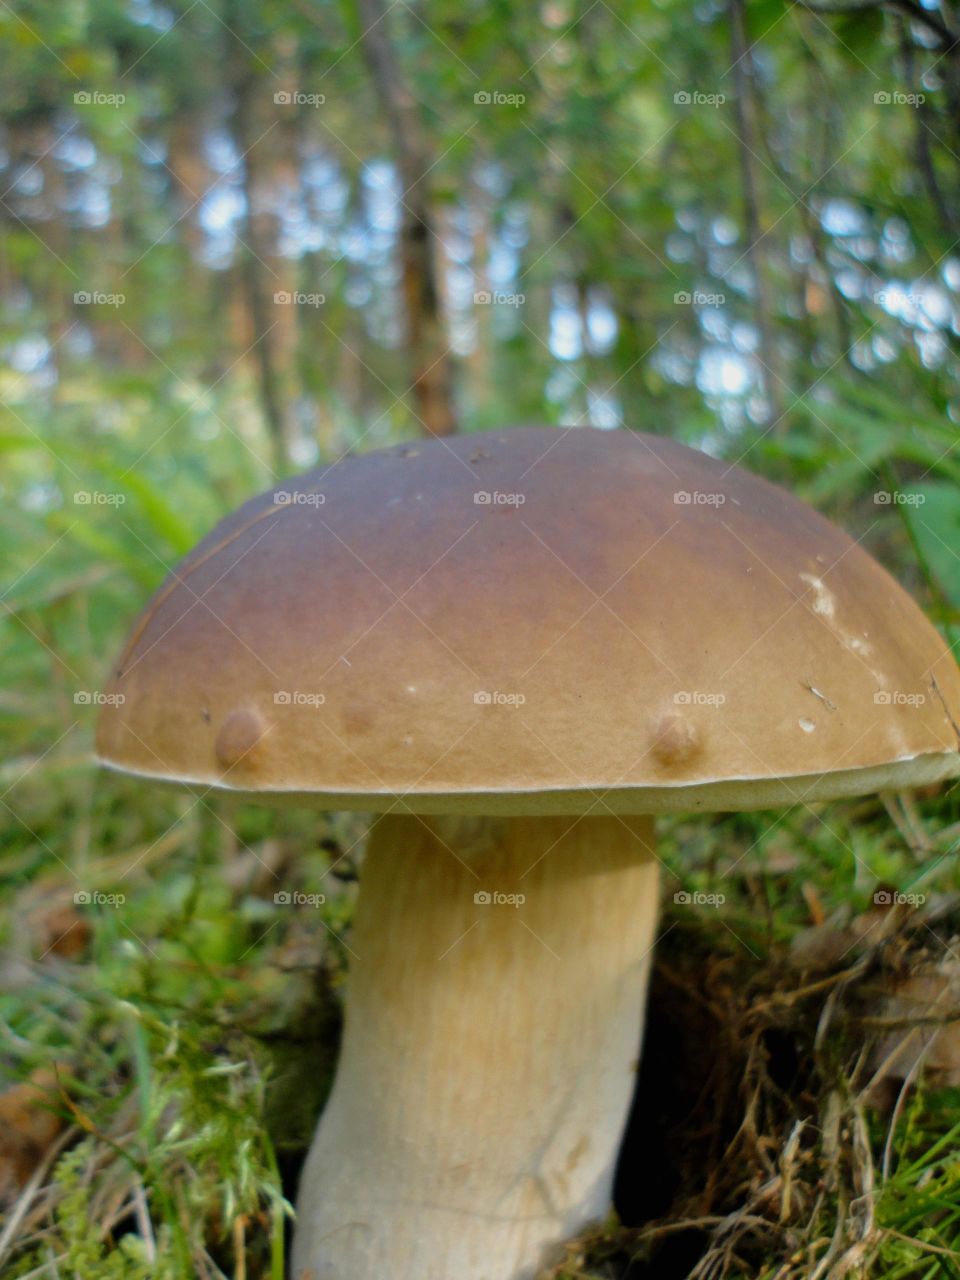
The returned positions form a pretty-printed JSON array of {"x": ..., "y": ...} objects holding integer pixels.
[{"x": 178, "y": 1027}]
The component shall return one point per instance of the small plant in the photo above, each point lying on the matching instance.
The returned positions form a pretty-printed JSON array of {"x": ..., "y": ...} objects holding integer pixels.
[{"x": 77, "y": 1246}]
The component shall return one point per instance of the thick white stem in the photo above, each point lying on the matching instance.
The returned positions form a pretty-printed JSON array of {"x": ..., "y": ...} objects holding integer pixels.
[{"x": 490, "y": 1048}]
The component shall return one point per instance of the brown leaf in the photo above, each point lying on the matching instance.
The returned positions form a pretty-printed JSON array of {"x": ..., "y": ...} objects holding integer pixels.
[
  {"x": 29, "y": 1124},
  {"x": 59, "y": 930}
]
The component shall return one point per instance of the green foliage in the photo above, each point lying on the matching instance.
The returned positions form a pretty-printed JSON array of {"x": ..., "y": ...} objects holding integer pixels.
[{"x": 919, "y": 1206}]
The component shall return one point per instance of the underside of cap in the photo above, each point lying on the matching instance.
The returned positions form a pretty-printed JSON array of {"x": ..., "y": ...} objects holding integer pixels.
[
  {"x": 731, "y": 795},
  {"x": 527, "y": 621}
]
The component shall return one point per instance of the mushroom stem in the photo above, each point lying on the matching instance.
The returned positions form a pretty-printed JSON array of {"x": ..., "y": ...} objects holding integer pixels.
[{"x": 492, "y": 1033}]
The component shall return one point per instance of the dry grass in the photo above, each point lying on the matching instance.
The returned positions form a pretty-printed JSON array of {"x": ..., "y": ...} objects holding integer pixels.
[{"x": 782, "y": 1149}]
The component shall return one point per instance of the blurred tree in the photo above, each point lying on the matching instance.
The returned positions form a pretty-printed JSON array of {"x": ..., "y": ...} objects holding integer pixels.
[
  {"x": 728, "y": 223},
  {"x": 425, "y": 329}
]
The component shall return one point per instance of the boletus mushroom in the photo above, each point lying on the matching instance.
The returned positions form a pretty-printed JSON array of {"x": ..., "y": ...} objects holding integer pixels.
[{"x": 516, "y": 648}]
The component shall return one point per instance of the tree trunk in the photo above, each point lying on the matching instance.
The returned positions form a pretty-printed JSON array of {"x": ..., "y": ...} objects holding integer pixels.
[
  {"x": 747, "y": 131},
  {"x": 431, "y": 364}
]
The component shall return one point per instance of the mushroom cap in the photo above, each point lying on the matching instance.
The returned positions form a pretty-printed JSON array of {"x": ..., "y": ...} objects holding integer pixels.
[{"x": 533, "y": 621}]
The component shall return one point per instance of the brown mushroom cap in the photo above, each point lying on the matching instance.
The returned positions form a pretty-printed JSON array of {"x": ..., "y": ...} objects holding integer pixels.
[{"x": 533, "y": 621}]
